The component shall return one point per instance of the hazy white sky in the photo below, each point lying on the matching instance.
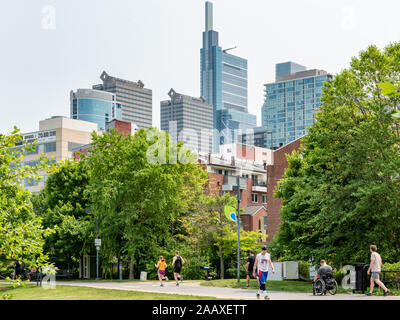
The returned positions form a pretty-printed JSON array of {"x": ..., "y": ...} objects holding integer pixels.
[{"x": 158, "y": 42}]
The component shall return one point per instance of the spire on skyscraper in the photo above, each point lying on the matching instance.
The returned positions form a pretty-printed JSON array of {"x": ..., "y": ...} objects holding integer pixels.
[{"x": 209, "y": 16}]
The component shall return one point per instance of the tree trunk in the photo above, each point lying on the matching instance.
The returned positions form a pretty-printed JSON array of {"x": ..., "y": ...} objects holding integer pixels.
[
  {"x": 222, "y": 266},
  {"x": 131, "y": 275}
]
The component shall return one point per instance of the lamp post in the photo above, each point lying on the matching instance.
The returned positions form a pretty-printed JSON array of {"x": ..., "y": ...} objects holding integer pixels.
[
  {"x": 238, "y": 227},
  {"x": 97, "y": 243}
]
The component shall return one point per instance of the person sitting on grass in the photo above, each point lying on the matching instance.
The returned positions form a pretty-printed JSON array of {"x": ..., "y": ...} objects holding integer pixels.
[{"x": 161, "y": 265}]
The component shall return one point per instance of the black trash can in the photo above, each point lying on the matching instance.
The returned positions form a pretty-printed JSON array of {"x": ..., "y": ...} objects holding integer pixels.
[
  {"x": 361, "y": 270},
  {"x": 208, "y": 278}
]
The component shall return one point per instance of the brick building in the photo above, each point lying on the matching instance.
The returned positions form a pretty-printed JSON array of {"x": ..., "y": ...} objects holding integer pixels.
[
  {"x": 275, "y": 173},
  {"x": 253, "y": 183},
  {"x": 121, "y": 127}
]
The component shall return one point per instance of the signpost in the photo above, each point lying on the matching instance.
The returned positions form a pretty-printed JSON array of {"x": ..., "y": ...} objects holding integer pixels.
[{"x": 97, "y": 243}]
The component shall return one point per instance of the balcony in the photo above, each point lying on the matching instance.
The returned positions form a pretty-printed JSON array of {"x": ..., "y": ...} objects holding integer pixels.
[
  {"x": 230, "y": 183},
  {"x": 259, "y": 186}
]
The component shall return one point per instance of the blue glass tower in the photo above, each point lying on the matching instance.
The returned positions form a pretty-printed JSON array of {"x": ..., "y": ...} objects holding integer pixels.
[
  {"x": 287, "y": 68},
  {"x": 95, "y": 106},
  {"x": 291, "y": 102},
  {"x": 224, "y": 84}
]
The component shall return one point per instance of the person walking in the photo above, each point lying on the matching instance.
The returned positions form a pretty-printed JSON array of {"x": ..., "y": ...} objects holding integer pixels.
[
  {"x": 375, "y": 269},
  {"x": 161, "y": 266},
  {"x": 262, "y": 263},
  {"x": 249, "y": 267},
  {"x": 17, "y": 269},
  {"x": 177, "y": 262}
]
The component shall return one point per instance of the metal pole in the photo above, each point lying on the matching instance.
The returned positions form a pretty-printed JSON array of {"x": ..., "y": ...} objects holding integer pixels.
[
  {"x": 97, "y": 250},
  {"x": 97, "y": 263},
  {"x": 238, "y": 228}
]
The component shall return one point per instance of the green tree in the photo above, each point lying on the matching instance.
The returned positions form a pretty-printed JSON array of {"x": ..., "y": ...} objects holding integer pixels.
[
  {"x": 21, "y": 233},
  {"x": 207, "y": 230},
  {"x": 340, "y": 192},
  {"x": 63, "y": 205}
]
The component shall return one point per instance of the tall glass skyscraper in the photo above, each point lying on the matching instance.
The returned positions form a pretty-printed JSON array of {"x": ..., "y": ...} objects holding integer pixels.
[
  {"x": 94, "y": 106},
  {"x": 291, "y": 102},
  {"x": 224, "y": 83}
]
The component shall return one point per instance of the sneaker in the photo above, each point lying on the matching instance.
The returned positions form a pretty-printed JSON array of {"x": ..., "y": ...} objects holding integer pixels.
[
  {"x": 258, "y": 296},
  {"x": 246, "y": 286},
  {"x": 369, "y": 294},
  {"x": 386, "y": 293},
  {"x": 177, "y": 284},
  {"x": 266, "y": 297}
]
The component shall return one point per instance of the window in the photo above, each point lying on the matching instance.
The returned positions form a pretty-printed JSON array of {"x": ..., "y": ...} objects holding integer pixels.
[
  {"x": 72, "y": 146},
  {"x": 254, "y": 197},
  {"x": 264, "y": 198},
  {"x": 265, "y": 222},
  {"x": 50, "y": 147}
]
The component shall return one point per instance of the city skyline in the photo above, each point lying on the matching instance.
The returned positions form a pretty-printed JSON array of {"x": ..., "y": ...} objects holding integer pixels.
[{"x": 48, "y": 58}]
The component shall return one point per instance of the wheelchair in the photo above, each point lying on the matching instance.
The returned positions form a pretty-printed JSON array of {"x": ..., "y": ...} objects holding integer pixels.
[{"x": 325, "y": 284}]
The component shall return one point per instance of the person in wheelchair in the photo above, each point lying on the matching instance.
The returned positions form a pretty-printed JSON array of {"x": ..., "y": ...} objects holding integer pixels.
[{"x": 323, "y": 280}]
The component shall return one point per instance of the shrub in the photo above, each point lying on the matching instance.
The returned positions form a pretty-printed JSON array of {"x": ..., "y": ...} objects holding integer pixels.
[
  {"x": 304, "y": 270},
  {"x": 395, "y": 276},
  {"x": 339, "y": 275}
]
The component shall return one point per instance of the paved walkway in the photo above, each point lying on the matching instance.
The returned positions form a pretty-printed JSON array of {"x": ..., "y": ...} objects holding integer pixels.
[{"x": 194, "y": 288}]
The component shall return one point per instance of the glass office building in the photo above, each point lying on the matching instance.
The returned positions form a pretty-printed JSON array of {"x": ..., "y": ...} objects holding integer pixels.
[
  {"x": 224, "y": 83},
  {"x": 94, "y": 106},
  {"x": 136, "y": 101},
  {"x": 188, "y": 119},
  {"x": 290, "y": 105},
  {"x": 287, "y": 68}
]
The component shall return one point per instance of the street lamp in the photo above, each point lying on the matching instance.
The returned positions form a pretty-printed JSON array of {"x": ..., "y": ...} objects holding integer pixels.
[
  {"x": 238, "y": 227},
  {"x": 97, "y": 243}
]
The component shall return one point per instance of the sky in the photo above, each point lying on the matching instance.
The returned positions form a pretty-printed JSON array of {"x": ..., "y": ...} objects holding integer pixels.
[{"x": 49, "y": 47}]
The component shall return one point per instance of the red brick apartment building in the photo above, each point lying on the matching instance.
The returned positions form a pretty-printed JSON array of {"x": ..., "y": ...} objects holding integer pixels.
[
  {"x": 258, "y": 182},
  {"x": 253, "y": 184},
  {"x": 275, "y": 173}
]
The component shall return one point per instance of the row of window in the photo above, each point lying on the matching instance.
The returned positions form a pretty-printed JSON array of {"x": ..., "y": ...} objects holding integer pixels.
[{"x": 254, "y": 198}]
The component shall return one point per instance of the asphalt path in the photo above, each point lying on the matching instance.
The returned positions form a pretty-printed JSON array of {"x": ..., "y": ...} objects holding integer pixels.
[{"x": 194, "y": 288}]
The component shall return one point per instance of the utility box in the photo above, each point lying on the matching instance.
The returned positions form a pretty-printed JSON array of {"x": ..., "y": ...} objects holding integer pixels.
[
  {"x": 143, "y": 276},
  {"x": 279, "y": 272},
  {"x": 291, "y": 270}
]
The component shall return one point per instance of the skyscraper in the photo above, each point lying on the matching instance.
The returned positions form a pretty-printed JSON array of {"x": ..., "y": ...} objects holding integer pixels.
[
  {"x": 94, "y": 106},
  {"x": 287, "y": 68},
  {"x": 136, "y": 101},
  {"x": 224, "y": 83},
  {"x": 291, "y": 102},
  {"x": 188, "y": 119}
]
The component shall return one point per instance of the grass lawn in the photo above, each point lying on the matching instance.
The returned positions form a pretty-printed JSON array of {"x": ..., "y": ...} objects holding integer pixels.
[
  {"x": 272, "y": 285},
  {"x": 31, "y": 292}
]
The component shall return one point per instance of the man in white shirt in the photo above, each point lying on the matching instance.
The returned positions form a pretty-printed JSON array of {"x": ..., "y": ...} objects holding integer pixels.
[
  {"x": 375, "y": 269},
  {"x": 263, "y": 260}
]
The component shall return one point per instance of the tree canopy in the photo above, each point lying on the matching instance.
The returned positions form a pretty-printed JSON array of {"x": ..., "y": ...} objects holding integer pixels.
[
  {"x": 341, "y": 190},
  {"x": 138, "y": 202},
  {"x": 21, "y": 231}
]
